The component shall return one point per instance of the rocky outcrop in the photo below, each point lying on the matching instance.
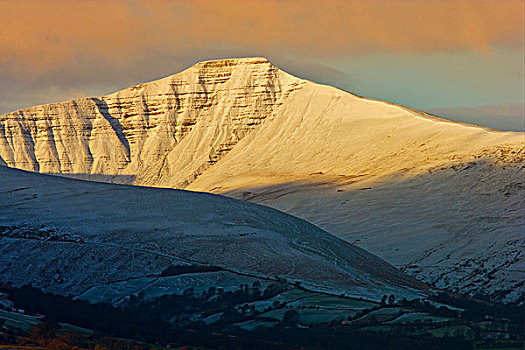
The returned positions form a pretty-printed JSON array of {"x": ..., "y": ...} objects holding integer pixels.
[{"x": 138, "y": 131}]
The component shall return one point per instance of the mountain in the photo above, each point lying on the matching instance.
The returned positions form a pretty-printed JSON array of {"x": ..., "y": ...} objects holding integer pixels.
[
  {"x": 107, "y": 242},
  {"x": 443, "y": 201}
]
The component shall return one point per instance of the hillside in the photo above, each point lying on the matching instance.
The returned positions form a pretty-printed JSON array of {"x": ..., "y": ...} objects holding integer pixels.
[
  {"x": 442, "y": 200},
  {"x": 69, "y": 236}
]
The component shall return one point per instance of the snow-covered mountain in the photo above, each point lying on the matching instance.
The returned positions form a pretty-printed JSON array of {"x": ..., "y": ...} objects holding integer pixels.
[
  {"x": 70, "y": 236},
  {"x": 442, "y": 200}
]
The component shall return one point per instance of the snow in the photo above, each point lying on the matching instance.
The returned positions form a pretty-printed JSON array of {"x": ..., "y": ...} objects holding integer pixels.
[
  {"x": 414, "y": 189},
  {"x": 126, "y": 236}
]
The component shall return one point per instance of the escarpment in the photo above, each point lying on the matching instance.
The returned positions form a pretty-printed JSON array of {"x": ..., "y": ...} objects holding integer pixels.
[{"x": 181, "y": 124}]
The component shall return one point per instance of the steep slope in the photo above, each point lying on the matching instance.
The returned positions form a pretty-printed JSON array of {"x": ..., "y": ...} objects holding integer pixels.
[
  {"x": 67, "y": 236},
  {"x": 167, "y": 131},
  {"x": 442, "y": 200}
]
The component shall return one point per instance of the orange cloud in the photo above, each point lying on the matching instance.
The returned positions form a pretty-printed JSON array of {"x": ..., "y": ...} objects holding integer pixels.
[{"x": 39, "y": 35}]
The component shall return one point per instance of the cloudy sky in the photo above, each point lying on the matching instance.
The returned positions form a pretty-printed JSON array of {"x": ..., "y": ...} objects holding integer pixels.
[{"x": 459, "y": 59}]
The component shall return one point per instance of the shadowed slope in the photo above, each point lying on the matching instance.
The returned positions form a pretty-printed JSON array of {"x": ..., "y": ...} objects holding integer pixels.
[
  {"x": 460, "y": 228},
  {"x": 67, "y": 235}
]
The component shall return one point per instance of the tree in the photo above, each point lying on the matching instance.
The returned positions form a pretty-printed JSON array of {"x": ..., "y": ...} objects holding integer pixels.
[
  {"x": 290, "y": 318},
  {"x": 391, "y": 299},
  {"x": 46, "y": 329},
  {"x": 256, "y": 289}
]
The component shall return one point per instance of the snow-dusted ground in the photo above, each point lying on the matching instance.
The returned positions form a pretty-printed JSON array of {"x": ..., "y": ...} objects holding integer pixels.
[
  {"x": 75, "y": 237},
  {"x": 367, "y": 171},
  {"x": 156, "y": 286},
  {"x": 461, "y": 229}
]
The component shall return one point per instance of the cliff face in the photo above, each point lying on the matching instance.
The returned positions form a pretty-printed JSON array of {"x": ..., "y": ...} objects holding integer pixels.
[
  {"x": 442, "y": 200},
  {"x": 136, "y": 131}
]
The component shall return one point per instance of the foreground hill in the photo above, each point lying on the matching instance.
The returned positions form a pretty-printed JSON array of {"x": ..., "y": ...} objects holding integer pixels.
[
  {"x": 442, "y": 200},
  {"x": 72, "y": 237}
]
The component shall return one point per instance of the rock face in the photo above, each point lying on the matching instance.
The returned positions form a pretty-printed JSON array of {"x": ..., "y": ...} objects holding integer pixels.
[
  {"x": 179, "y": 125},
  {"x": 442, "y": 200},
  {"x": 67, "y": 236}
]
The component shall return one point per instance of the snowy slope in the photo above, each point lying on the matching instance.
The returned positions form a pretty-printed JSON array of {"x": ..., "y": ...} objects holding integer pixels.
[
  {"x": 68, "y": 236},
  {"x": 442, "y": 200}
]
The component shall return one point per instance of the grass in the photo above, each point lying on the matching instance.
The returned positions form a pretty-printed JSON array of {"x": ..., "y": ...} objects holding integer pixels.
[
  {"x": 417, "y": 316},
  {"x": 504, "y": 344},
  {"x": 449, "y": 330},
  {"x": 71, "y": 328},
  {"x": 253, "y": 324},
  {"x": 333, "y": 302},
  {"x": 18, "y": 320}
]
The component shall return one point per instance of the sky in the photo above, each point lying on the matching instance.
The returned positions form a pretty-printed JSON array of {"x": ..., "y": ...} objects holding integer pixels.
[{"x": 463, "y": 60}]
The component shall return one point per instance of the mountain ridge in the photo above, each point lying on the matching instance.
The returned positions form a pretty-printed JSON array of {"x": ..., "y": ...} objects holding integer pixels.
[{"x": 244, "y": 128}]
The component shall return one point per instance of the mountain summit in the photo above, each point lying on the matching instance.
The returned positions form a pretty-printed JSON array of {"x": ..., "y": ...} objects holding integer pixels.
[
  {"x": 207, "y": 109},
  {"x": 439, "y": 199}
]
